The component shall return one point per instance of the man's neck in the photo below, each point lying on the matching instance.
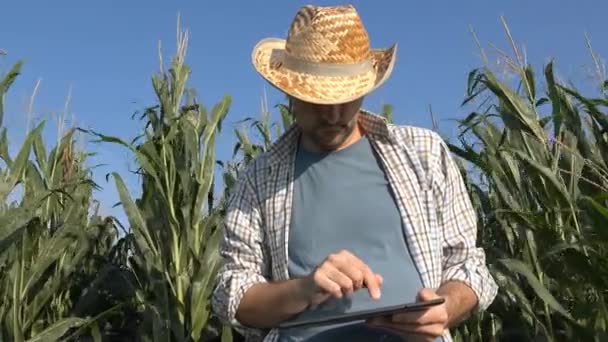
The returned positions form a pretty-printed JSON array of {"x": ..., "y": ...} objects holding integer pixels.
[{"x": 355, "y": 136}]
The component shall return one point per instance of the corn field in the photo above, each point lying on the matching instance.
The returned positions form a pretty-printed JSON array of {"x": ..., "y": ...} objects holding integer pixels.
[{"x": 533, "y": 151}]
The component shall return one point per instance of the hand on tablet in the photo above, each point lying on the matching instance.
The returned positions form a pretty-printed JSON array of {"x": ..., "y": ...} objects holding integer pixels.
[
  {"x": 424, "y": 325},
  {"x": 338, "y": 275}
]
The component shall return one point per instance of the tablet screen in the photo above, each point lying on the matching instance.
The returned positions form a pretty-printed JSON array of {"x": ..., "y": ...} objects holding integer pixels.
[
  {"x": 358, "y": 303},
  {"x": 357, "y": 315}
]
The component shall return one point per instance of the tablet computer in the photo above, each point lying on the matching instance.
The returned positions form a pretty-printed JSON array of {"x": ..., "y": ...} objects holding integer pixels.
[{"x": 359, "y": 315}]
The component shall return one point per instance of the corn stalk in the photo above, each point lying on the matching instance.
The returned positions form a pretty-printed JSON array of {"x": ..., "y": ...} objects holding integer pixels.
[
  {"x": 537, "y": 175},
  {"x": 175, "y": 224},
  {"x": 50, "y": 244}
]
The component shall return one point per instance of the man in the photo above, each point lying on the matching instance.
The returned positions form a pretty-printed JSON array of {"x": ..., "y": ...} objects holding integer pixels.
[{"x": 346, "y": 211}]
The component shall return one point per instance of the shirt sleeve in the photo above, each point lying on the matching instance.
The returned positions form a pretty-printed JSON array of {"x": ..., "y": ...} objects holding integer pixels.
[
  {"x": 463, "y": 260},
  {"x": 242, "y": 253}
]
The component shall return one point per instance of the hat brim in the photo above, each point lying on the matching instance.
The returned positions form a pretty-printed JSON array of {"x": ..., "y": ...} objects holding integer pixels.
[{"x": 267, "y": 58}]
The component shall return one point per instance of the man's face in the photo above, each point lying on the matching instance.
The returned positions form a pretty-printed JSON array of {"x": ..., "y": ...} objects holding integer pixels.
[{"x": 326, "y": 127}]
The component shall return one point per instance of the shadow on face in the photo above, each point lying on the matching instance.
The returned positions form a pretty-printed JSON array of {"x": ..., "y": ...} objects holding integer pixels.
[{"x": 326, "y": 127}]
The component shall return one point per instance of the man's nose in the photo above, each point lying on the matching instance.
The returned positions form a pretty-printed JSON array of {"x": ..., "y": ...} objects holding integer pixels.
[{"x": 331, "y": 114}]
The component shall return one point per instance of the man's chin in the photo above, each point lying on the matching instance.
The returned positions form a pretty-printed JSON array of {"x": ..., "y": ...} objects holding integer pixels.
[{"x": 331, "y": 145}]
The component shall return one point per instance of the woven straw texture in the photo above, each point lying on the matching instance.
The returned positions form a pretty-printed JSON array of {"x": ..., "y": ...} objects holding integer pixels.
[{"x": 329, "y": 36}]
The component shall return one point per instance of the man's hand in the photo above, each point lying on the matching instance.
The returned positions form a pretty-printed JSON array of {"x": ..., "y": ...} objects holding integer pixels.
[
  {"x": 428, "y": 324},
  {"x": 339, "y": 275},
  {"x": 267, "y": 304},
  {"x": 423, "y": 325}
]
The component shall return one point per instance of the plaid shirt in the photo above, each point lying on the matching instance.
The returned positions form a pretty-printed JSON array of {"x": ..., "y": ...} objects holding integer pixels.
[{"x": 440, "y": 222}]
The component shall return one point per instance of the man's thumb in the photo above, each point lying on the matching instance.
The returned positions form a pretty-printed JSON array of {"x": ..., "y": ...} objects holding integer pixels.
[{"x": 426, "y": 294}]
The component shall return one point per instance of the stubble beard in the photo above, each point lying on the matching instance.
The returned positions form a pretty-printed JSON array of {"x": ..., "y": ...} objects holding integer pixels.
[{"x": 336, "y": 140}]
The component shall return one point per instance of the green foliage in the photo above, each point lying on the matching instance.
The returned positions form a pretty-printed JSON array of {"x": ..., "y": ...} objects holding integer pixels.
[
  {"x": 537, "y": 174},
  {"x": 387, "y": 112},
  {"x": 5, "y": 84},
  {"x": 175, "y": 224},
  {"x": 534, "y": 154},
  {"x": 51, "y": 247},
  {"x": 246, "y": 149}
]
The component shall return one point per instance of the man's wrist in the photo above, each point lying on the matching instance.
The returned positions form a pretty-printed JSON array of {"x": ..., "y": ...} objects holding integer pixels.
[
  {"x": 460, "y": 301},
  {"x": 300, "y": 293},
  {"x": 450, "y": 307},
  {"x": 267, "y": 304}
]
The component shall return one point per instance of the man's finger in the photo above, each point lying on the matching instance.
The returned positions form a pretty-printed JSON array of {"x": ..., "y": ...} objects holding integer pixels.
[
  {"x": 372, "y": 284},
  {"x": 414, "y": 333},
  {"x": 370, "y": 279},
  {"x": 426, "y": 294},
  {"x": 355, "y": 274},
  {"x": 341, "y": 278},
  {"x": 326, "y": 284},
  {"x": 430, "y": 330},
  {"x": 434, "y": 315},
  {"x": 345, "y": 261}
]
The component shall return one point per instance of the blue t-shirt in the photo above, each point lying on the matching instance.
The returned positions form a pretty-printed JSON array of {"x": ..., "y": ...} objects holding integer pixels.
[{"x": 343, "y": 200}]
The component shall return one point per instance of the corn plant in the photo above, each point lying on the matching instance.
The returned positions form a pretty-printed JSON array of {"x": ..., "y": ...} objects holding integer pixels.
[
  {"x": 247, "y": 148},
  {"x": 537, "y": 174},
  {"x": 51, "y": 247},
  {"x": 175, "y": 224}
]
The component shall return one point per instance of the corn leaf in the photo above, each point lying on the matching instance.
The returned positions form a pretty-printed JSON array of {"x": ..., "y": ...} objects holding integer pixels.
[
  {"x": 135, "y": 218},
  {"x": 547, "y": 175},
  {"x": 5, "y": 84},
  {"x": 96, "y": 333},
  {"x": 521, "y": 268},
  {"x": 57, "y": 330}
]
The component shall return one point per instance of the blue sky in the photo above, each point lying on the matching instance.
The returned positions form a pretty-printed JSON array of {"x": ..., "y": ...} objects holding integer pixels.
[{"x": 103, "y": 54}]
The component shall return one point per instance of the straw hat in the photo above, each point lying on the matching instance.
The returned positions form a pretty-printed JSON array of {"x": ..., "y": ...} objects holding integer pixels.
[{"x": 326, "y": 58}]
